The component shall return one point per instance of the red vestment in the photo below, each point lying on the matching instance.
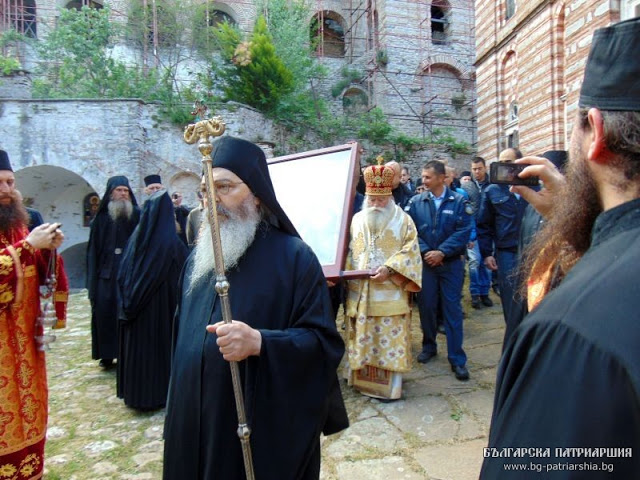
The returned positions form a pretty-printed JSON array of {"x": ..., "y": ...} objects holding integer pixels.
[{"x": 23, "y": 376}]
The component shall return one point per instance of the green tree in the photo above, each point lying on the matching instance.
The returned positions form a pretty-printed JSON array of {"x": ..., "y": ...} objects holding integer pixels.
[
  {"x": 251, "y": 73},
  {"x": 10, "y": 64},
  {"x": 287, "y": 22},
  {"x": 77, "y": 64}
]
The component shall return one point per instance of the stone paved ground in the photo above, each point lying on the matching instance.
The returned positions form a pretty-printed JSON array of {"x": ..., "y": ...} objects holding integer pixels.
[{"x": 436, "y": 432}]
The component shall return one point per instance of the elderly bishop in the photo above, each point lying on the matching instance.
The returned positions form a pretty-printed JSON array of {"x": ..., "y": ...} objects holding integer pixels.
[{"x": 383, "y": 242}]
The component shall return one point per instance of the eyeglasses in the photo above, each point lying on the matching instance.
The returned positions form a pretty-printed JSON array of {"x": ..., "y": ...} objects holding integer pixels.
[{"x": 223, "y": 188}]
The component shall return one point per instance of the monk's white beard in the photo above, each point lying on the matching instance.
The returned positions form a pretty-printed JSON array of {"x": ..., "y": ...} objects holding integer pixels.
[
  {"x": 236, "y": 234},
  {"x": 377, "y": 218},
  {"x": 120, "y": 209}
]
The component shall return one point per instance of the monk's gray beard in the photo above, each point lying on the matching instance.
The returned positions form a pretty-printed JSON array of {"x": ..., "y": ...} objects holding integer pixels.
[
  {"x": 120, "y": 209},
  {"x": 377, "y": 218},
  {"x": 236, "y": 234}
]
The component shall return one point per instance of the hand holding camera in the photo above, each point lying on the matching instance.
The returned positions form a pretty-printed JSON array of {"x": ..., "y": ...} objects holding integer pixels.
[
  {"x": 551, "y": 178},
  {"x": 507, "y": 173}
]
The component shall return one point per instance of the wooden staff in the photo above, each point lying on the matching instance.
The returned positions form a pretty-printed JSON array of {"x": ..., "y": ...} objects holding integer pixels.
[{"x": 201, "y": 131}]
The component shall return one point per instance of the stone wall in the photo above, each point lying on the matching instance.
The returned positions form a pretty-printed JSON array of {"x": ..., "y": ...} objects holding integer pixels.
[
  {"x": 63, "y": 150},
  {"x": 415, "y": 89},
  {"x": 536, "y": 59}
]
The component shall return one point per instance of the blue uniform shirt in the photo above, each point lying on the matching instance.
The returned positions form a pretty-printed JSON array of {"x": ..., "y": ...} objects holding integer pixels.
[
  {"x": 499, "y": 219},
  {"x": 446, "y": 228}
]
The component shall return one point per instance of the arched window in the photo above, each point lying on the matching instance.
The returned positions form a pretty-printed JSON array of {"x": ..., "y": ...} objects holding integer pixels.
[
  {"x": 443, "y": 90},
  {"x": 511, "y": 131},
  {"x": 21, "y": 15},
  {"x": 373, "y": 36},
  {"x": 355, "y": 100},
  {"x": 218, "y": 17},
  {"x": 327, "y": 34},
  {"x": 78, "y": 4},
  {"x": 510, "y": 9},
  {"x": 440, "y": 22},
  {"x": 206, "y": 22}
]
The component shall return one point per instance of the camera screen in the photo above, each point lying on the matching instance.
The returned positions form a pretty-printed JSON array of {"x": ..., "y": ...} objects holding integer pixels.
[{"x": 507, "y": 173}]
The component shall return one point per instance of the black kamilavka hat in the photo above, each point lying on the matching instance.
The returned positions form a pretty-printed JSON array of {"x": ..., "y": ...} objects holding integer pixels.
[
  {"x": 612, "y": 75},
  {"x": 149, "y": 179},
  {"x": 5, "y": 164}
]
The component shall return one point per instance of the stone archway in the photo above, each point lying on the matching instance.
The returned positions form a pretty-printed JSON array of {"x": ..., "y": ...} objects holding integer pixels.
[{"x": 58, "y": 194}]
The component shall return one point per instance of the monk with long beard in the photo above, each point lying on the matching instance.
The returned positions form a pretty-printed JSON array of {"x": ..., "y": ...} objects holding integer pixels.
[
  {"x": 569, "y": 379},
  {"x": 283, "y": 335},
  {"x": 384, "y": 241},
  {"x": 24, "y": 267},
  {"x": 118, "y": 214}
]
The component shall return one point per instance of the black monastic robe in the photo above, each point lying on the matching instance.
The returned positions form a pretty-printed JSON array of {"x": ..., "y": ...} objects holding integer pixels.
[
  {"x": 148, "y": 282},
  {"x": 278, "y": 287},
  {"x": 107, "y": 240},
  {"x": 570, "y": 375}
]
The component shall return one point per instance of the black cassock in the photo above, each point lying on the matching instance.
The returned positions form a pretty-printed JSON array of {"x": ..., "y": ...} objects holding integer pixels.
[
  {"x": 181, "y": 214},
  {"x": 570, "y": 375},
  {"x": 148, "y": 281},
  {"x": 107, "y": 240},
  {"x": 291, "y": 390}
]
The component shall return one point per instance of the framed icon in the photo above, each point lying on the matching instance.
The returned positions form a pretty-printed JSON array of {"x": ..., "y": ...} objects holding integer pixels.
[{"x": 316, "y": 189}]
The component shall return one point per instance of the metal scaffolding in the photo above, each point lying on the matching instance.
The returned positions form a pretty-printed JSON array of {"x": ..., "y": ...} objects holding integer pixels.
[{"x": 436, "y": 91}]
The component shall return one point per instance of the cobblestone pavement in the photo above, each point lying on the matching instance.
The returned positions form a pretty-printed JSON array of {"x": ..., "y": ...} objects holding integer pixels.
[{"x": 436, "y": 432}]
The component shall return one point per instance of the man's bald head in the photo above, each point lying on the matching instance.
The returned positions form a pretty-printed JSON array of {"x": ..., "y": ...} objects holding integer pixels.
[{"x": 510, "y": 155}]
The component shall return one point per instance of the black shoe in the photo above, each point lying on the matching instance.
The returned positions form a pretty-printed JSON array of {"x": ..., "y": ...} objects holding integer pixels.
[
  {"x": 486, "y": 301},
  {"x": 496, "y": 289},
  {"x": 441, "y": 329},
  {"x": 106, "y": 363},
  {"x": 460, "y": 372},
  {"x": 425, "y": 356},
  {"x": 475, "y": 302}
]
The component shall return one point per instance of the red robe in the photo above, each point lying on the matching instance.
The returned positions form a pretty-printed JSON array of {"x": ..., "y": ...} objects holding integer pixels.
[{"x": 23, "y": 375}]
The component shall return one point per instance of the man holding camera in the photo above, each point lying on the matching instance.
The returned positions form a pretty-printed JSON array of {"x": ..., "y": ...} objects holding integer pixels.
[
  {"x": 498, "y": 227},
  {"x": 569, "y": 380},
  {"x": 181, "y": 213}
]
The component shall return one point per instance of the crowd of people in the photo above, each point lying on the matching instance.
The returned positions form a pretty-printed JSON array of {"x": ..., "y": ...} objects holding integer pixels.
[{"x": 564, "y": 254}]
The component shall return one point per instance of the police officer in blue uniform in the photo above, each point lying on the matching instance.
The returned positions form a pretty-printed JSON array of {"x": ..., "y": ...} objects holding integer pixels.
[
  {"x": 498, "y": 227},
  {"x": 443, "y": 220}
]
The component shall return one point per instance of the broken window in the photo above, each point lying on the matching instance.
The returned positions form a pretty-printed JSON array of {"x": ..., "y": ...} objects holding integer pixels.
[
  {"x": 439, "y": 22},
  {"x": 21, "y": 16},
  {"x": 354, "y": 101},
  {"x": 218, "y": 17},
  {"x": 327, "y": 34}
]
